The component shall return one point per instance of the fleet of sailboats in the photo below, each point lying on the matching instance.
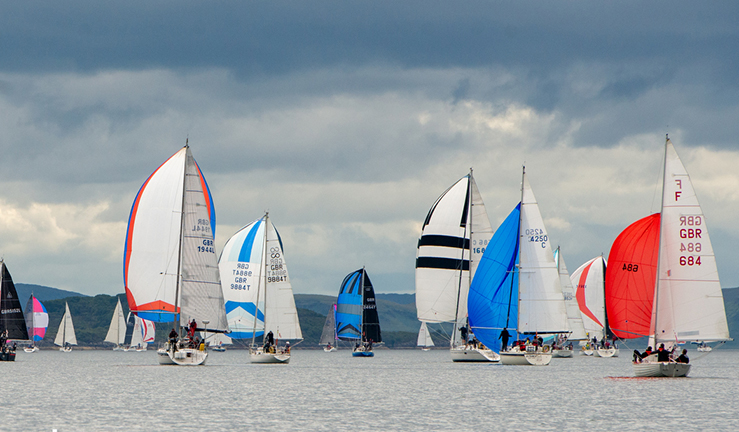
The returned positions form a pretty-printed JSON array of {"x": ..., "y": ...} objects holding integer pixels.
[
  {"x": 453, "y": 239},
  {"x": 662, "y": 280}
]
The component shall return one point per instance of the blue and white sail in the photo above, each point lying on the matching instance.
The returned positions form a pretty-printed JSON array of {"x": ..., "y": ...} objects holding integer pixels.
[
  {"x": 356, "y": 309},
  {"x": 240, "y": 266}
]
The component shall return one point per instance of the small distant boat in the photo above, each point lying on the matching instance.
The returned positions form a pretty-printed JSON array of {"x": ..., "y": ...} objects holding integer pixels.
[
  {"x": 12, "y": 320},
  {"x": 703, "y": 347},
  {"x": 453, "y": 238},
  {"x": 517, "y": 286},
  {"x": 117, "y": 330},
  {"x": 143, "y": 333},
  {"x": 664, "y": 282},
  {"x": 37, "y": 321},
  {"x": 424, "y": 338},
  {"x": 328, "y": 335},
  {"x": 65, "y": 336},
  {"x": 357, "y": 320}
]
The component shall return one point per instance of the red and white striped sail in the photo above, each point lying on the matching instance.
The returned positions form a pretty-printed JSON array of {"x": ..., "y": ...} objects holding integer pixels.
[
  {"x": 589, "y": 283},
  {"x": 689, "y": 302},
  {"x": 169, "y": 253}
]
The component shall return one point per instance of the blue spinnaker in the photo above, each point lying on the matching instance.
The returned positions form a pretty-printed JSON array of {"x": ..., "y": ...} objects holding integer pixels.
[
  {"x": 492, "y": 303},
  {"x": 349, "y": 307}
]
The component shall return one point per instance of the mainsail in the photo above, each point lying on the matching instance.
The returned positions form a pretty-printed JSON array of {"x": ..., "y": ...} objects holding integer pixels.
[
  {"x": 117, "y": 330},
  {"x": 11, "y": 314},
  {"x": 170, "y": 266},
  {"x": 65, "y": 335},
  {"x": 328, "y": 335},
  {"x": 37, "y": 319},
  {"x": 455, "y": 234},
  {"x": 424, "y": 337}
]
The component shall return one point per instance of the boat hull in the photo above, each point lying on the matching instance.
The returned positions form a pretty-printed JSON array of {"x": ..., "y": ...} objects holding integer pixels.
[
  {"x": 562, "y": 353},
  {"x": 332, "y": 349},
  {"x": 530, "y": 357},
  {"x": 261, "y": 357},
  {"x": 65, "y": 349},
  {"x": 608, "y": 352},
  {"x": 182, "y": 357},
  {"x": 30, "y": 350},
  {"x": 587, "y": 352},
  {"x": 469, "y": 354},
  {"x": 705, "y": 349},
  {"x": 661, "y": 369},
  {"x": 7, "y": 356},
  {"x": 218, "y": 349},
  {"x": 363, "y": 354}
]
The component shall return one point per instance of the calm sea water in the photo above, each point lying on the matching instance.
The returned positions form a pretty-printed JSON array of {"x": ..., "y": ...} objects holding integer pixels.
[{"x": 395, "y": 390}]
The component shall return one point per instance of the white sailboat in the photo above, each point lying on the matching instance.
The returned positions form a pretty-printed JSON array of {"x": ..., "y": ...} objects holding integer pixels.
[
  {"x": 170, "y": 265},
  {"x": 274, "y": 293},
  {"x": 65, "y": 336},
  {"x": 560, "y": 347},
  {"x": 455, "y": 234},
  {"x": 117, "y": 330},
  {"x": 217, "y": 341},
  {"x": 589, "y": 279},
  {"x": 328, "y": 335},
  {"x": 424, "y": 338},
  {"x": 681, "y": 300},
  {"x": 517, "y": 286},
  {"x": 143, "y": 333}
]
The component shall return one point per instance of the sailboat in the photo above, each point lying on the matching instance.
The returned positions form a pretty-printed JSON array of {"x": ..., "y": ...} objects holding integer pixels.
[
  {"x": 357, "y": 320},
  {"x": 143, "y": 333},
  {"x": 517, "y": 286},
  {"x": 328, "y": 335},
  {"x": 662, "y": 280},
  {"x": 117, "y": 330},
  {"x": 12, "y": 322},
  {"x": 454, "y": 236},
  {"x": 589, "y": 279},
  {"x": 65, "y": 336},
  {"x": 170, "y": 265},
  {"x": 255, "y": 280},
  {"x": 217, "y": 341},
  {"x": 574, "y": 320},
  {"x": 424, "y": 338},
  {"x": 37, "y": 320}
]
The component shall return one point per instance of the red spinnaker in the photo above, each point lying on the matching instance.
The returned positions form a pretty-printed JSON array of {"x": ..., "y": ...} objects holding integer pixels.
[{"x": 631, "y": 276}]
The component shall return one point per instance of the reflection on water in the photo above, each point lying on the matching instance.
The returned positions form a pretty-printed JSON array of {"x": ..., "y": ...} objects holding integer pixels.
[{"x": 395, "y": 390}]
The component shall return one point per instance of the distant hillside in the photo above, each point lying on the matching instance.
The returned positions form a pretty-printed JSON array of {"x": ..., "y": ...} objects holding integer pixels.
[{"x": 42, "y": 293}]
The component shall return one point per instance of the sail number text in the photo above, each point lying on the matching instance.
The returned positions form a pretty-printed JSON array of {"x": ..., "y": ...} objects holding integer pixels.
[
  {"x": 203, "y": 225},
  {"x": 630, "y": 267},
  {"x": 689, "y": 233},
  {"x": 277, "y": 271},
  {"x": 479, "y": 246},
  {"x": 207, "y": 246},
  {"x": 536, "y": 235}
]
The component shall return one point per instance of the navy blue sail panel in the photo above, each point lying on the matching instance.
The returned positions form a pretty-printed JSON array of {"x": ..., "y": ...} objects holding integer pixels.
[
  {"x": 349, "y": 307},
  {"x": 11, "y": 314},
  {"x": 370, "y": 321},
  {"x": 492, "y": 303}
]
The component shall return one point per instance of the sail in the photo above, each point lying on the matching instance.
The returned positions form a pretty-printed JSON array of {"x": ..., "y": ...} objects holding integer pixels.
[
  {"x": 216, "y": 339},
  {"x": 65, "y": 334},
  {"x": 493, "y": 298},
  {"x": 137, "y": 335},
  {"x": 148, "y": 331},
  {"x": 574, "y": 319},
  {"x": 165, "y": 245},
  {"x": 455, "y": 233},
  {"x": 424, "y": 337},
  {"x": 117, "y": 330},
  {"x": 631, "y": 276},
  {"x": 37, "y": 319},
  {"x": 370, "y": 318},
  {"x": 589, "y": 280},
  {"x": 541, "y": 303},
  {"x": 240, "y": 265},
  {"x": 11, "y": 314},
  {"x": 349, "y": 307},
  {"x": 328, "y": 335},
  {"x": 690, "y": 305},
  {"x": 280, "y": 313}
]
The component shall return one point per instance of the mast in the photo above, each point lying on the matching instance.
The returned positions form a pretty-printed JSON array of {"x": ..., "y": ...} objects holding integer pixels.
[
  {"x": 605, "y": 313},
  {"x": 653, "y": 325},
  {"x": 361, "y": 316},
  {"x": 518, "y": 252},
  {"x": 262, "y": 268},
  {"x": 467, "y": 224},
  {"x": 179, "y": 247}
]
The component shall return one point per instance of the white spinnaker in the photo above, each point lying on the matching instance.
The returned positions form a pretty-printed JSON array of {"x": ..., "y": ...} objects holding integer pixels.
[
  {"x": 441, "y": 293},
  {"x": 117, "y": 330},
  {"x": 151, "y": 274},
  {"x": 280, "y": 313},
  {"x": 65, "y": 334},
  {"x": 137, "y": 336},
  {"x": 589, "y": 283},
  {"x": 239, "y": 265},
  {"x": 689, "y": 302},
  {"x": 574, "y": 319},
  {"x": 541, "y": 307},
  {"x": 424, "y": 338},
  {"x": 201, "y": 297},
  {"x": 149, "y": 330}
]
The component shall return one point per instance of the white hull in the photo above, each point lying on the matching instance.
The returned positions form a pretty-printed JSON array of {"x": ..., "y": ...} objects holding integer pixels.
[
  {"x": 326, "y": 349},
  {"x": 530, "y": 357},
  {"x": 262, "y": 357},
  {"x": 705, "y": 349},
  {"x": 469, "y": 354},
  {"x": 182, "y": 357},
  {"x": 118, "y": 348},
  {"x": 30, "y": 350},
  {"x": 587, "y": 352},
  {"x": 608, "y": 352},
  {"x": 665, "y": 369},
  {"x": 563, "y": 353},
  {"x": 425, "y": 349},
  {"x": 67, "y": 349}
]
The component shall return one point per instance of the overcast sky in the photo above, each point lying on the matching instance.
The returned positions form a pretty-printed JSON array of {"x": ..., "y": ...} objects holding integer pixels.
[{"x": 346, "y": 120}]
